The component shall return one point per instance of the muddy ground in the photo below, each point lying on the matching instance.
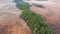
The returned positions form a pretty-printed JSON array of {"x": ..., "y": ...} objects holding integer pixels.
[{"x": 10, "y": 21}]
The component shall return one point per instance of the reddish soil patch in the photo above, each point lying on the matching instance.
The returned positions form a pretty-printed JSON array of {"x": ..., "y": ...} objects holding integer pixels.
[{"x": 51, "y": 15}]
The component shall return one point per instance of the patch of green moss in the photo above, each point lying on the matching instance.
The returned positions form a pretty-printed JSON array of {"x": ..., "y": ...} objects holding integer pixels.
[{"x": 34, "y": 21}]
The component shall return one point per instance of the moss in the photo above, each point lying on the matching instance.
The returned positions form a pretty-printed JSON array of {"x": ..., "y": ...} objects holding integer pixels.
[{"x": 34, "y": 21}]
